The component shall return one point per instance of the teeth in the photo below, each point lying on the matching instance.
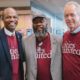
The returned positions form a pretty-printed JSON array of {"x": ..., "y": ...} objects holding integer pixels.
[{"x": 12, "y": 23}]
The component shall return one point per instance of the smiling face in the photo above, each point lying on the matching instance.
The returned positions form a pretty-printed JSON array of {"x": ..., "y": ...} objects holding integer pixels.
[
  {"x": 40, "y": 27},
  {"x": 10, "y": 19},
  {"x": 72, "y": 17}
]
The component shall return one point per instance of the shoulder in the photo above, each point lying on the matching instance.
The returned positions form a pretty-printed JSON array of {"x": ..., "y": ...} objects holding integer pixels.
[
  {"x": 66, "y": 33},
  {"x": 1, "y": 30},
  {"x": 2, "y": 33},
  {"x": 56, "y": 38},
  {"x": 29, "y": 38},
  {"x": 18, "y": 34}
]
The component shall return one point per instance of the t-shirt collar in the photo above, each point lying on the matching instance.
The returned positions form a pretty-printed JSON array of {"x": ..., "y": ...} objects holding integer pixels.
[
  {"x": 76, "y": 31},
  {"x": 7, "y": 32}
]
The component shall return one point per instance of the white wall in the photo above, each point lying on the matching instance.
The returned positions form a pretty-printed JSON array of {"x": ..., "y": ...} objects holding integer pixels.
[{"x": 14, "y": 3}]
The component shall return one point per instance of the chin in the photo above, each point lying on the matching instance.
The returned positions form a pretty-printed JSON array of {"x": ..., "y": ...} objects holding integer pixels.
[
  {"x": 12, "y": 29},
  {"x": 72, "y": 29}
]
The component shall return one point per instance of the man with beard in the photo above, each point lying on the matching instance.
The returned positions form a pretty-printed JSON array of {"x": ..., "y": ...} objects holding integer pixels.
[
  {"x": 11, "y": 51},
  {"x": 43, "y": 55}
]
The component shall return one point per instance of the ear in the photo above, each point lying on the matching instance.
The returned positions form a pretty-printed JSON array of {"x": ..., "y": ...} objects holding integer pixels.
[{"x": 2, "y": 15}]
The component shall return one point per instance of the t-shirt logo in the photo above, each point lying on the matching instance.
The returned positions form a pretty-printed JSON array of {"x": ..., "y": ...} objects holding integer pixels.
[
  {"x": 69, "y": 47},
  {"x": 14, "y": 54},
  {"x": 41, "y": 53}
]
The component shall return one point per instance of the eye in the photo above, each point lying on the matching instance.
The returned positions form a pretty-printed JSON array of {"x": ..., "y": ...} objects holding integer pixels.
[
  {"x": 66, "y": 15},
  {"x": 7, "y": 17},
  {"x": 69, "y": 15},
  {"x": 15, "y": 17},
  {"x": 72, "y": 15}
]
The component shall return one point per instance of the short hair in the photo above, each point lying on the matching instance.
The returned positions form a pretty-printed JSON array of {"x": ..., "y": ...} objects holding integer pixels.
[
  {"x": 39, "y": 19},
  {"x": 77, "y": 5},
  {"x": 6, "y": 9}
]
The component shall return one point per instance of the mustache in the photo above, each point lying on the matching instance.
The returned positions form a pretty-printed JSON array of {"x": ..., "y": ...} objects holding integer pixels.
[{"x": 40, "y": 33}]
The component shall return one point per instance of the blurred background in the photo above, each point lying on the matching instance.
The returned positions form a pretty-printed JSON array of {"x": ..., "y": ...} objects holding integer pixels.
[{"x": 27, "y": 9}]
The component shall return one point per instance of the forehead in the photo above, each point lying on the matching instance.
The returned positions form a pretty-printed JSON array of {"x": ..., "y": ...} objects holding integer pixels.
[
  {"x": 70, "y": 9},
  {"x": 39, "y": 23},
  {"x": 39, "y": 20},
  {"x": 9, "y": 11}
]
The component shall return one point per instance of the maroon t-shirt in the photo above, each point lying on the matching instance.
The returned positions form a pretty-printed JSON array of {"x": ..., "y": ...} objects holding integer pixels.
[
  {"x": 71, "y": 56},
  {"x": 13, "y": 47},
  {"x": 44, "y": 59}
]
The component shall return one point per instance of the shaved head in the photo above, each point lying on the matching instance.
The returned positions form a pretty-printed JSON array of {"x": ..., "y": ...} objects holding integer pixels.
[
  {"x": 10, "y": 18},
  {"x": 8, "y": 10}
]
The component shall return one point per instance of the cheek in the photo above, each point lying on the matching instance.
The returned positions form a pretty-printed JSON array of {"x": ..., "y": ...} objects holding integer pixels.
[
  {"x": 34, "y": 27},
  {"x": 15, "y": 21},
  {"x": 77, "y": 19},
  {"x": 66, "y": 21},
  {"x": 6, "y": 23}
]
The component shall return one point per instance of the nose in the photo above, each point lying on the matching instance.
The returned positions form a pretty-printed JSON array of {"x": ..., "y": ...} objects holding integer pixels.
[
  {"x": 40, "y": 27},
  {"x": 12, "y": 19}
]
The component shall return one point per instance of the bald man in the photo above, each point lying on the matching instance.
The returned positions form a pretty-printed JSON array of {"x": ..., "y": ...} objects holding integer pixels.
[{"x": 11, "y": 51}]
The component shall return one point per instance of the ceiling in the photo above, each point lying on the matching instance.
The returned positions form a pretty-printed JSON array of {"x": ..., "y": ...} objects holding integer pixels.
[{"x": 54, "y": 7}]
